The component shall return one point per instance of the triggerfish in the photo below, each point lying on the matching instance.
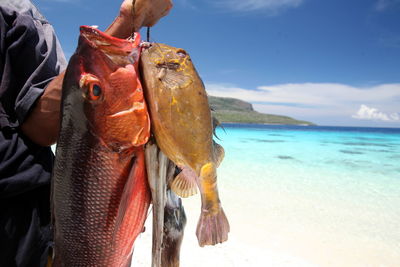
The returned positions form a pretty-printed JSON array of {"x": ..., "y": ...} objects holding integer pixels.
[
  {"x": 182, "y": 124},
  {"x": 100, "y": 193}
]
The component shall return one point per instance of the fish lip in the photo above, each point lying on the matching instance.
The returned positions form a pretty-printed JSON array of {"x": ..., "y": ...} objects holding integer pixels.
[
  {"x": 111, "y": 46},
  {"x": 168, "y": 65},
  {"x": 92, "y": 34}
]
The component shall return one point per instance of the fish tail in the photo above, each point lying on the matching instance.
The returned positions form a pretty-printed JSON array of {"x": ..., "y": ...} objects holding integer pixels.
[
  {"x": 213, "y": 226},
  {"x": 212, "y": 229}
]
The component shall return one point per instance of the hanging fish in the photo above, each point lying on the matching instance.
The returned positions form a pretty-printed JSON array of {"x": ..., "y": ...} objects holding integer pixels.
[
  {"x": 100, "y": 194},
  {"x": 182, "y": 124}
]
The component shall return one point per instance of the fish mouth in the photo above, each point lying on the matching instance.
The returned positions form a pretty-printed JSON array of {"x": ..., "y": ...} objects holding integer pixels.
[
  {"x": 169, "y": 65},
  {"x": 120, "y": 51}
]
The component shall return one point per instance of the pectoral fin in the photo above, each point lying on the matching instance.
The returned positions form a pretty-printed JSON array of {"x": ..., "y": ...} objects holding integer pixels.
[
  {"x": 126, "y": 197},
  {"x": 133, "y": 206},
  {"x": 135, "y": 198},
  {"x": 184, "y": 184}
]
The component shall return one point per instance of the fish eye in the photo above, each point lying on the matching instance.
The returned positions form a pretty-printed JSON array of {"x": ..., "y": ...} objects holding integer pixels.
[
  {"x": 94, "y": 92},
  {"x": 90, "y": 86},
  {"x": 181, "y": 53}
]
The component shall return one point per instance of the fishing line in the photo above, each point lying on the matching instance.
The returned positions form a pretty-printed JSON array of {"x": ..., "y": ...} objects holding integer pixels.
[{"x": 133, "y": 15}]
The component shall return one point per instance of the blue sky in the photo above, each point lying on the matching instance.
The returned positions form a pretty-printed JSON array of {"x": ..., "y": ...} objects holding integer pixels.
[{"x": 333, "y": 62}]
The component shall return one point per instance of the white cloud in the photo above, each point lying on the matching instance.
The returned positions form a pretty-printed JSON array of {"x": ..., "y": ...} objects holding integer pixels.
[
  {"x": 368, "y": 113},
  {"x": 256, "y": 5},
  {"x": 382, "y": 5},
  {"x": 318, "y": 102}
]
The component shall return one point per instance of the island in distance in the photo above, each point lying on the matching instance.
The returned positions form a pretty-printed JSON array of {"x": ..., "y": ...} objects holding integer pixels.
[{"x": 232, "y": 110}]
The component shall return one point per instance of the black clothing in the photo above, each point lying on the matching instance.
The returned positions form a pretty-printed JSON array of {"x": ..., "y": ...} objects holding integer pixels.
[{"x": 30, "y": 57}]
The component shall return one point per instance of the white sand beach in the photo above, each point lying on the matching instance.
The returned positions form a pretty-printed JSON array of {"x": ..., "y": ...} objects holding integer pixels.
[
  {"x": 237, "y": 251},
  {"x": 286, "y": 231}
]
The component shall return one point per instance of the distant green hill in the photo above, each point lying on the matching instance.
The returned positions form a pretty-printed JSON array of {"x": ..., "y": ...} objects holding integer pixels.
[{"x": 238, "y": 111}]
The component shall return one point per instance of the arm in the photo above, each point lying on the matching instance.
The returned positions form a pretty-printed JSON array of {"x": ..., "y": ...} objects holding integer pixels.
[{"x": 42, "y": 124}]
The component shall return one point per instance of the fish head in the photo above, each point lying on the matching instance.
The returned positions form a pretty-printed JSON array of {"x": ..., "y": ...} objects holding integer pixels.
[
  {"x": 104, "y": 92},
  {"x": 168, "y": 66}
]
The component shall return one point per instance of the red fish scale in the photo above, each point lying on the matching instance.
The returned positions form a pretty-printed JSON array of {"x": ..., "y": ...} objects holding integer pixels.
[{"x": 88, "y": 184}]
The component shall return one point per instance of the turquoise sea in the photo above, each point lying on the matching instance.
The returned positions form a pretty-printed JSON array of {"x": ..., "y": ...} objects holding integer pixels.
[{"x": 327, "y": 195}]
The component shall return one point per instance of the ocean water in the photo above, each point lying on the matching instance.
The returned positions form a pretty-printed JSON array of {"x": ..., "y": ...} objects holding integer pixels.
[{"x": 327, "y": 195}]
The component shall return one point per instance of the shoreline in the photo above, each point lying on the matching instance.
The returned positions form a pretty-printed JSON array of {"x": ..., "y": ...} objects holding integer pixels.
[
  {"x": 265, "y": 123},
  {"x": 311, "y": 125}
]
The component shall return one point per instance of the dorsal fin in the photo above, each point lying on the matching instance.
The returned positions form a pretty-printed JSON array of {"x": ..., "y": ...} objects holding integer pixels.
[
  {"x": 216, "y": 123},
  {"x": 219, "y": 153}
]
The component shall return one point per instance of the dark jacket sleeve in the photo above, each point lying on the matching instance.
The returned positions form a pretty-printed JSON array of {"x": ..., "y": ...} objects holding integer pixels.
[{"x": 30, "y": 58}]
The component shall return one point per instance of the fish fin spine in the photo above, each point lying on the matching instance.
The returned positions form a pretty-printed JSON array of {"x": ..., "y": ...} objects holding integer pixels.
[
  {"x": 219, "y": 153},
  {"x": 184, "y": 184}
]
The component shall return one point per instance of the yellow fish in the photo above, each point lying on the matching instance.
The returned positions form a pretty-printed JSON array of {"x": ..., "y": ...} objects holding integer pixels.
[{"x": 182, "y": 124}]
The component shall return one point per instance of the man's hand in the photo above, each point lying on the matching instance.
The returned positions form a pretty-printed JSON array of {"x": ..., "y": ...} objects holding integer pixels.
[
  {"x": 135, "y": 14},
  {"x": 147, "y": 12}
]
